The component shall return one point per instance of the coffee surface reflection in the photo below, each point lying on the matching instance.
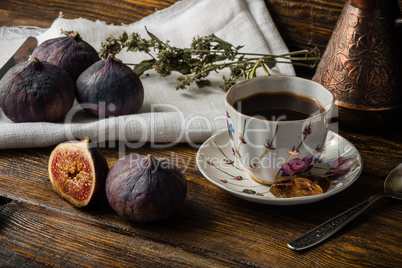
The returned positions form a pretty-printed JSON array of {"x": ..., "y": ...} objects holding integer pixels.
[{"x": 283, "y": 106}]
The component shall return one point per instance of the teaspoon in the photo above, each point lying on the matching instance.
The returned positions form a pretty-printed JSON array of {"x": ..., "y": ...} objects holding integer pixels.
[{"x": 392, "y": 188}]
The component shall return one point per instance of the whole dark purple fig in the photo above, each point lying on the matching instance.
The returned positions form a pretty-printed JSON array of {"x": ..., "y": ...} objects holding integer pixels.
[
  {"x": 69, "y": 52},
  {"x": 109, "y": 88},
  {"x": 35, "y": 91},
  {"x": 144, "y": 189}
]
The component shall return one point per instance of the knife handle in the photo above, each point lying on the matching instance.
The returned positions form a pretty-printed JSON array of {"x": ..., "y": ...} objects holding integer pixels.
[
  {"x": 330, "y": 227},
  {"x": 22, "y": 54}
]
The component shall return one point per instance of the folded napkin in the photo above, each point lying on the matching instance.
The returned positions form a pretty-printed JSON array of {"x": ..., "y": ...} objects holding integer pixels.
[{"x": 168, "y": 116}]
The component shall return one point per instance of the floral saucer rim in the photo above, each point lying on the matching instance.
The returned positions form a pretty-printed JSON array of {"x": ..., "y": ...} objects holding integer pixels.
[{"x": 225, "y": 174}]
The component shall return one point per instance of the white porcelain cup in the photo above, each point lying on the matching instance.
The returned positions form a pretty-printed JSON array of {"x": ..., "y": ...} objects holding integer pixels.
[{"x": 269, "y": 150}]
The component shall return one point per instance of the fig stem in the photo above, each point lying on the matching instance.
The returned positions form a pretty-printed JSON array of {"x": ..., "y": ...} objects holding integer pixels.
[
  {"x": 35, "y": 60},
  {"x": 35, "y": 63},
  {"x": 75, "y": 35},
  {"x": 113, "y": 57},
  {"x": 152, "y": 161}
]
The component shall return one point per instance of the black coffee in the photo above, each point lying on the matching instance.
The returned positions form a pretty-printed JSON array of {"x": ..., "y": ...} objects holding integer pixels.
[{"x": 282, "y": 106}]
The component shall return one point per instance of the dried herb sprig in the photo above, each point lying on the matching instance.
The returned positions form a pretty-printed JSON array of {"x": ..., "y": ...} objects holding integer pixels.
[{"x": 205, "y": 55}]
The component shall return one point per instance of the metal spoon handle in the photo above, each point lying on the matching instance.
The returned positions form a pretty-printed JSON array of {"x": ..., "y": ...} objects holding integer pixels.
[{"x": 331, "y": 226}]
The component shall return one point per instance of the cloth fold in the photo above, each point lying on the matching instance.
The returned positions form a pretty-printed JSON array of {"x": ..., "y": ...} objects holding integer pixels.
[{"x": 167, "y": 115}]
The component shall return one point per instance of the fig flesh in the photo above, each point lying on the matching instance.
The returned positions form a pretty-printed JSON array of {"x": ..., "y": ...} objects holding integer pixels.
[
  {"x": 145, "y": 189},
  {"x": 69, "y": 52},
  {"x": 35, "y": 91},
  {"x": 77, "y": 172},
  {"x": 109, "y": 88}
]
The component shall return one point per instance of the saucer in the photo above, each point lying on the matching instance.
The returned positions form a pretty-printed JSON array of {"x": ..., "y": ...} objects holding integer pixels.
[{"x": 219, "y": 165}]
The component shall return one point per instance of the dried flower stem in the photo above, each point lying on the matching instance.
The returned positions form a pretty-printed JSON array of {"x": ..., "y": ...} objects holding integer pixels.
[{"x": 206, "y": 54}]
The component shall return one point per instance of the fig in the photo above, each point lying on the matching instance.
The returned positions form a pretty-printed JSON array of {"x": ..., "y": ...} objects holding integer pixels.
[
  {"x": 109, "y": 88},
  {"x": 144, "y": 189},
  {"x": 69, "y": 52},
  {"x": 34, "y": 91},
  {"x": 77, "y": 172}
]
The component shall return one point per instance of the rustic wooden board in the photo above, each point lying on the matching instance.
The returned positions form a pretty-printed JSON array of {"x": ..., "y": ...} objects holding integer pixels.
[
  {"x": 120, "y": 11},
  {"x": 302, "y": 24},
  {"x": 212, "y": 227},
  {"x": 34, "y": 236}
]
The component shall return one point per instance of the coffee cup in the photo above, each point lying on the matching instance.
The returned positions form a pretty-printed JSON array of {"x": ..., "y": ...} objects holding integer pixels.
[{"x": 278, "y": 125}]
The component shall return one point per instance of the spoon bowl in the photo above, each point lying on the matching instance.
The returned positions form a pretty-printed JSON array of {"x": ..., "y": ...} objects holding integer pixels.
[
  {"x": 392, "y": 188},
  {"x": 393, "y": 183}
]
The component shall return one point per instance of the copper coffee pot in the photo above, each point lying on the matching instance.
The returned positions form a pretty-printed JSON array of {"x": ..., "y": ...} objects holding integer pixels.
[{"x": 362, "y": 64}]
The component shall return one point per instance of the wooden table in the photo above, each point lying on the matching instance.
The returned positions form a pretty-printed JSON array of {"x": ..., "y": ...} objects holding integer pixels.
[{"x": 212, "y": 228}]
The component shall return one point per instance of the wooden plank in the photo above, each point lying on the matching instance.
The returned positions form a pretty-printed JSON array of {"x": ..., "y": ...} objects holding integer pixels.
[
  {"x": 212, "y": 228},
  {"x": 121, "y": 11},
  {"x": 213, "y": 222},
  {"x": 13, "y": 18},
  {"x": 302, "y": 24},
  {"x": 35, "y": 236}
]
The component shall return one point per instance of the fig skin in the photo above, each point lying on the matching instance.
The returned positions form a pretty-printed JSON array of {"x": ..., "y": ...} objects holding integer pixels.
[
  {"x": 144, "y": 189},
  {"x": 109, "y": 88},
  {"x": 36, "y": 91},
  {"x": 77, "y": 171},
  {"x": 69, "y": 52}
]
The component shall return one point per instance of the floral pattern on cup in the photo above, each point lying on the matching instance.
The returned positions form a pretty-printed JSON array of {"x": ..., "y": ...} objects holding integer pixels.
[
  {"x": 296, "y": 165},
  {"x": 229, "y": 125},
  {"x": 292, "y": 165},
  {"x": 341, "y": 166}
]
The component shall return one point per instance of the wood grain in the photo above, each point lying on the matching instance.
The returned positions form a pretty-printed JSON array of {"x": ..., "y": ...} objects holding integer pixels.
[
  {"x": 42, "y": 233},
  {"x": 302, "y": 24},
  {"x": 212, "y": 228},
  {"x": 122, "y": 11}
]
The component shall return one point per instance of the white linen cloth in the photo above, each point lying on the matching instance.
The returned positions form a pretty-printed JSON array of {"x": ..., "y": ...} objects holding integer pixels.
[{"x": 168, "y": 115}]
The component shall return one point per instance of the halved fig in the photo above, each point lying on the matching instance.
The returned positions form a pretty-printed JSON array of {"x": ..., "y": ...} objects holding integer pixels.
[
  {"x": 295, "y": 187},
  {"x": 77, "y": 171}
]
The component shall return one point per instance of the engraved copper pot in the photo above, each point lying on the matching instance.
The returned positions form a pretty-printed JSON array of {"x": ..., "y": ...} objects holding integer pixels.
[{"x": 361, "y": 64}]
